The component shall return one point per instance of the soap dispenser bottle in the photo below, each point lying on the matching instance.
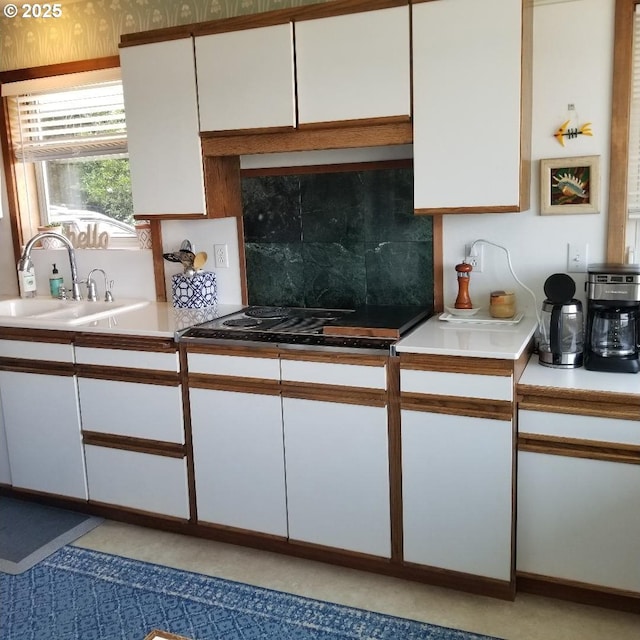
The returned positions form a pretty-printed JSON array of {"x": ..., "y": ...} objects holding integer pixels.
[{"x": 55, "y": 283}]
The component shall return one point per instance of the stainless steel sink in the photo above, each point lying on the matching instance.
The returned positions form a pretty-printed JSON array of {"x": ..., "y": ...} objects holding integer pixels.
[{"x": 51, "y": 312}]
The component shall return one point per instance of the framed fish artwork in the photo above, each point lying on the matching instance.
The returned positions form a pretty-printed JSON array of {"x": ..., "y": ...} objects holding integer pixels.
[{"x": 570, "y": 185}]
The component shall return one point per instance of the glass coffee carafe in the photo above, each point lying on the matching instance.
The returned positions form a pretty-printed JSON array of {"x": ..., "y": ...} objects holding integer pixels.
[
  {"x": 560, "y": 340},
  {"x": 613, "y": 332}
]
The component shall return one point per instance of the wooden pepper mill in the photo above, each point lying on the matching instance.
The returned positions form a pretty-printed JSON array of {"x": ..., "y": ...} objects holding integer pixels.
[{"x": 463, "y": 301}]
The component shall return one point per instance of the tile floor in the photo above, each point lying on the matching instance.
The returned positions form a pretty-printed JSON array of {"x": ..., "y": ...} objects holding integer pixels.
[{"x": 528, "y": 618}]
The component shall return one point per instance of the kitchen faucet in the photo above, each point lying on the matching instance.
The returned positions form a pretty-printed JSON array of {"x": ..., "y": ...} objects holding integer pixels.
[
  {"x": 91, "y": 287},
  {"x": 25, "y": 264}
]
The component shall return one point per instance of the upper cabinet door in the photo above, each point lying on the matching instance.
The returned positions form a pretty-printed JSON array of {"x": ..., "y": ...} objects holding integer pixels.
[
  {"x": 246, "y": 79},
  {"x": 354, "y": 66},
  {"x": 165, "y": 158},
  {"x": 469, "y": 133}
]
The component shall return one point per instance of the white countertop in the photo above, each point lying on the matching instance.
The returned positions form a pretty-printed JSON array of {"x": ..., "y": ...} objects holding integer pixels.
[
  {"x": 153, "y": 319},
  {"x": 439, "y": 337},
  {"x": 579, "y": 379}
]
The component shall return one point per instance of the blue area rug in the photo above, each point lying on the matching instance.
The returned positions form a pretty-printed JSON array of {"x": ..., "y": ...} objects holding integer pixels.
[{"x": 76, "y": 594}]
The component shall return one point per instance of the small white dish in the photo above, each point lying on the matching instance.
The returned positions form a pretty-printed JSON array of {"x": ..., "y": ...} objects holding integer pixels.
[{"x": 463, "y": 313}]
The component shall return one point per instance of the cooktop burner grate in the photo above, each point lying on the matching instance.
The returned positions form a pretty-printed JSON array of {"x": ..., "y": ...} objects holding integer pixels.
[
  {"x": 267, "y": 312},
  {"x": 244, "y": 323}
]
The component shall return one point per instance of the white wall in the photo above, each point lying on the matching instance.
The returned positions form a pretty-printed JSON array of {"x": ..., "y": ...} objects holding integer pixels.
[
  {"x": 572, "y": 63},
  {"x": 203, "y": 234}
]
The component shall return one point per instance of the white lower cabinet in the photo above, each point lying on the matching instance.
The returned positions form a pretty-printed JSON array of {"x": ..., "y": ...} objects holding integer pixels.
[
  {"x": 141, "y": 481},
  {"x": 338, "y": 475},
  {"x": 457, "y": 492},
  {"x": 44, "y": 442},
  {"x": 579, "y": 517},
  {"x": 239, "y": 460}
]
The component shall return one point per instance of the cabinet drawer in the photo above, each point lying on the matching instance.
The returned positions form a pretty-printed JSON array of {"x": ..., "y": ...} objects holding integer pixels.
[
  {"x": 127, "y": 358},
  {"x": 239, "y": 366},
  {"x": 156, "y": 484},
  {"x": 353, "y": 375},
  {"x": 148, "y": 411},
  {"x": 583, "y": 427},
  {"x": 464, "y": 385},
  {"x": 52, "y": 351}
]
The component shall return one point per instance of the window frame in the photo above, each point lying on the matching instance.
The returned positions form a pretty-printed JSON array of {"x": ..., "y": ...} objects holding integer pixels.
[
  {"x": 617, "y": 221},
  {"x": 22, "y": 222}
]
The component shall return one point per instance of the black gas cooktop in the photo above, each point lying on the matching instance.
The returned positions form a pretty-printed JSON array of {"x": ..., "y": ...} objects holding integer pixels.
[{"x": 310, "y": 327}]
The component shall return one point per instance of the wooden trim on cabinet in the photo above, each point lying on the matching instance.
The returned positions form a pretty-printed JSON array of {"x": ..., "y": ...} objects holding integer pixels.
[
  {"x": 395, "y": 458},
  {"x": 128, "y": 343},
  {"x": 127, "y": 374},
  {"x": 579, "y": 448},
  {"x": 438, "y": 262},
  {"x": 158, "y": 260},
  {"x": 223, "y": 191},
  {"x": 334, "y": 393},
  {"x": 457, "y": 406},
  {"x": 257, "y": 351},
  {"x": 336, "y": 125},
  {"x": 406, "y": 163},
  {"x": 246, "y": 132},
  {"x": 570, "y": 590},
  {"x": 46, "y": 367},
  {"x": 165, "y": 34},
  {"x": 312, "y": 139},
  {"x": 242, "y": 258},
  {"x": 435, "y": 211},
  {"x": 129, "y": 443},
  {"x": 188, "y": 435},
  {"x": 333, "y": 357},
  {"x": 521, "y": 363},
  {"x": 580, "y": 402},
  {"x": 238, "y": 384},
  {"x": 456, "y": 364},
  {"x": 37, "y": 335},
  {"x": 505, "y": 590}
]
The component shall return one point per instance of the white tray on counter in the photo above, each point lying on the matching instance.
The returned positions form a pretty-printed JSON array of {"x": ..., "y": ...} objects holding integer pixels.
[{"x": 481, "y": 318}]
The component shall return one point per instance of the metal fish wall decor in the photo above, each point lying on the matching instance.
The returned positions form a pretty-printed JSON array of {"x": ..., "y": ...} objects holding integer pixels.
[{"x": 564, "y": 131}]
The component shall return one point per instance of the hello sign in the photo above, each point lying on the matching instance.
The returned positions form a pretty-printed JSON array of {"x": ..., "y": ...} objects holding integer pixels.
[{"x": 89, "y": 239}]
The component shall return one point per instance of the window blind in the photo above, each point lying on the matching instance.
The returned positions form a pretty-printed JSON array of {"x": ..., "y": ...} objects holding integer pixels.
[
  {"x": 68, "y": 123},
  {"x": 633, "y": 190}
]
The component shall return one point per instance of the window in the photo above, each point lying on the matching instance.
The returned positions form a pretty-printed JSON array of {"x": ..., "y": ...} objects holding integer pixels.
[{"x": 68, "y": 137}]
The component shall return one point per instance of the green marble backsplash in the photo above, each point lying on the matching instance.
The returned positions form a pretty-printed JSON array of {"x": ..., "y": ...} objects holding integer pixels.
[
  {"x": 336, "y": 240},
  {"x": 92, "y": 29}
]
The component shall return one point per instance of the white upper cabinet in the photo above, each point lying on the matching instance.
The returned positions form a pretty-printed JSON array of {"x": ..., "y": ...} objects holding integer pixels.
[
  {"x": 467, "y": 78},
  {"x": 246, "y": 79},
  {"x": 354, "y": 66},
  {"x": 165, "y": 158}
]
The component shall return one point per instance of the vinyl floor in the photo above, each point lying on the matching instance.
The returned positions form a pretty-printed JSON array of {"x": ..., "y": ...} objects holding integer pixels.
[{"x": 527, "y": 618}]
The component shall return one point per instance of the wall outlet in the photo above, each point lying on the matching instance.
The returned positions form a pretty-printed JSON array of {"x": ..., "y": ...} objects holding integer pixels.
[
  {"x": 221, "y": 256},
  {"x": 577, "y": 257},
  {"x": 476, "y": 260}
]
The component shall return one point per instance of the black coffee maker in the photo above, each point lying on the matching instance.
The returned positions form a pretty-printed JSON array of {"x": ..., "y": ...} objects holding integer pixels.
[{"x": 613, "y": 318}]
